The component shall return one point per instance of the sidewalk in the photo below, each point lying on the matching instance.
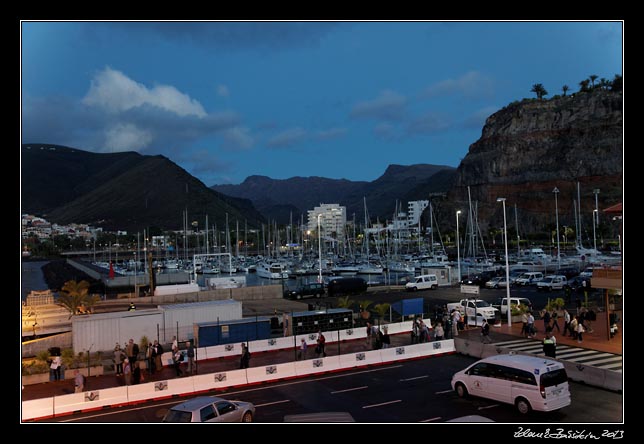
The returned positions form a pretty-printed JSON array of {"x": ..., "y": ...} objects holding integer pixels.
[
  {"x": 595, "y": 340},
  {"x": 258, "y": 359}
]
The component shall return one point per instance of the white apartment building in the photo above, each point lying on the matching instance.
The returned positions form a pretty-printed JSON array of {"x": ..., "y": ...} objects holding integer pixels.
[
  {"x": 415, "y": 210},
  {"x": 333, "y": 219}
]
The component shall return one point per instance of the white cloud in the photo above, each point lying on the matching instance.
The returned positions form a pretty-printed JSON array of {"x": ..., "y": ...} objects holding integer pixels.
[
  {"x": 428, "y": 123},
  {"x": 331, "y": 133},
  {"x": 223, "y": 91},
  {"x": 389, "y": 105},
  {"x": 288, "y": 138},
  {"x": 115, "y": 92},
  {"x": 238, "y": 138},
  {"x": 470, "y": 84},
  {"x": 126, "y": 137}
]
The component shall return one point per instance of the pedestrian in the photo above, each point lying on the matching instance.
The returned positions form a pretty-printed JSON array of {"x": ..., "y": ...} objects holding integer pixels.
[
  {"x": 555, "y": 323},
  {"x": 369, "y": 334},
  {"x": 377, "y": 343},
  {"x": 177, "y": 358},
  {"x": 578, "y": 301},
  {"x": 55, "y": 365},
  {"x": 175, "y": 344},
  {"x": 531, "y": 330},
  {"x": 303, "y": 348},
  {"x": 386, "y": 340},
  {"x": 439, "y": 333},
  {"x": 118, "y": 359},
  {"x": 414, "y": 331},
  {"x": 136, "y": 373},
  {"x": 485, "y": 332},
  {"x": 424, "y": 331},
  {"x": 79, "y": 382},
  {"x": 158, "y": 353},
  {"x": 321, "y": 344},
  {"x": 524, "y": 327},
  {"x": 132, "y": 307},
  {"x": 127, "y": 371},
  {"x": 550, "y": 345},
  {"x": 132, "y": 351},
  {"x": 566, "y": 328},
  {"x": 580, "y": 329},
  {"x": 245, "y": 357},
  {"x": 190, "y": 353},
  {"x": 546, "y": 319},
  {"x": 573, "y": 327},
  {"x": 456, "y": 319}
]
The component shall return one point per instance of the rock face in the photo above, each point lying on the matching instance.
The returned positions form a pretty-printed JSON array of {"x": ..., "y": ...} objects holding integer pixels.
[{"x": 528, "y": 148}]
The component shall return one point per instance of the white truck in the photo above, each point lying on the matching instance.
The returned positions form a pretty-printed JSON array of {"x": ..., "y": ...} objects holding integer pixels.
[{"x": 474, "y": 308}]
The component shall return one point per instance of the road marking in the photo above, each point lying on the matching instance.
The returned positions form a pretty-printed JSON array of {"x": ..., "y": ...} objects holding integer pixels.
[
  {"x": 271, "y": 403},
  {"x": 444, "y": 391},
  {"x": 350, "y": 390},
  {"x": 382, "y": 403},
  {"x": 488, "y": 406},
  {"x": 417, "y": 377},
  {"x": 431, "y": 419}
]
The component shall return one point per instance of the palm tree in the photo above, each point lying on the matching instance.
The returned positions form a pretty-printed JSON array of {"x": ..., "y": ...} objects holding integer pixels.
[
  {"x": 381, "y": 309},
  {"x": 73, "y": 295},
  {"x": 565, "y": 89},
  {"x": 592, "y": 78},
  {"x": 604, "y": 83},
  {"x": 539, "y": 90},
  {"x": 344, "y": 302},
  {"x": 584, "y": 85},
  {"x": 617, "y": 83}
]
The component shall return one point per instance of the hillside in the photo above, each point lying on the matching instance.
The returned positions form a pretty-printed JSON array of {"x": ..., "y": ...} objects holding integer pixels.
[
  {"x": 276, "y": 198},
  {"x": 125, "y": 191}
]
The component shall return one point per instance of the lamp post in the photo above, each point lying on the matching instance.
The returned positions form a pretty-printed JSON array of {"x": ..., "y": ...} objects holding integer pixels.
[
  {"x": 507, "y": 265},
  {"x": 458, "y": 248},
  {"x": 556, "y": 191},
  {"x": 320, "y": 248},
  {"x": 594, "y": 236}
]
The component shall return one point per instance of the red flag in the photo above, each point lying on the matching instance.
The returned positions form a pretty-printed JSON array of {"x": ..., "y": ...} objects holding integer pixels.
[{"x": 111, "y": 275}]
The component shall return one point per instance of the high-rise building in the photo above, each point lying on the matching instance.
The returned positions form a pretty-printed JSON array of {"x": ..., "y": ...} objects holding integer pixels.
[{"x": 333, "y": 218}]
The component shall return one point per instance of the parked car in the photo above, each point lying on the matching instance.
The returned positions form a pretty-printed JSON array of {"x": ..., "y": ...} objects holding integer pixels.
[
  {"x": 502, "y": 303},
  {"x": 307, "y": 290},
  {"x": 496, "y": 282},
  {"x": 477, "y": 279},
  {"x": 422, "y": 282},
  {"x": 552, "y": 282},
  {"x": 211, "y": 409},
  {"x": 529, "y": 278},
  {"x": 346, "y": 285},
  {"x": 575, "y": 283}
]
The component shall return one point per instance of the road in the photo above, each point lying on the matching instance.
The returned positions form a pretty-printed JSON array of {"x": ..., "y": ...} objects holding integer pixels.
[{"x": 405, "y": 392}]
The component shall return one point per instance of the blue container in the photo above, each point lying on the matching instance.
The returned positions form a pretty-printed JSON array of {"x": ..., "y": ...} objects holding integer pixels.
[{"x": 230, "y": 332}]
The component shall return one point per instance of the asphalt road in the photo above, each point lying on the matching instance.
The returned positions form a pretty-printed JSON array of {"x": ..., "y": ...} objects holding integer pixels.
[{"x": 407, "y": 392}]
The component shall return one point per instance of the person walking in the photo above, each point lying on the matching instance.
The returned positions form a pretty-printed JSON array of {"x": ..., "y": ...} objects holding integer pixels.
[
  {"x": 191, "y": 357},
  {"x": 555, "y": 323},
  {"x": 439, "y": 333},
  {"x": 580, "y": 329},
  {"x": 573, "y": 327},
  {"x": 157, "y": 352},
  {"x": 127, "y": 371},
  {"x": 550, "y": 345},
  {"x": 485, "y": 332},
  {"x": 456, "y": 319},
  {"x": 386, "y": 340},
  {"x": 177, "y": 358},
  {"x": 321, "y": 344},
  {"x": 546, "y": 320},
  {"x": 118, "y": 359},
  {"x": 566, "y": 327},
  {"x": 132, "y": 351},
  {"x": 303, "y": 347},
  {"x": 531, "y": 330},
  {"x": 244, "y": 361},
  {"x": 414, "y": 331},
  {"x": 79, "y": 382},
  {"x": 55, "y": 366},
  {"x": 524, "y": 327}
]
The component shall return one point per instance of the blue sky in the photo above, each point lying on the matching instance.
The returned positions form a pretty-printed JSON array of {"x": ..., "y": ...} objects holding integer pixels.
[{"x": 226, "y": 100}]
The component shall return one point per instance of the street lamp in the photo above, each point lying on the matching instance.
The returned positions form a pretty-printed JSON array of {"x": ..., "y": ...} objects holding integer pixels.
[
  {"x": 507, "y": 265},
  {"x": 594, "y": 236},
  {"x": 458, "y": 248},
  {"x": 556, "y": 191},
  {"x": 320, "y": 248}
]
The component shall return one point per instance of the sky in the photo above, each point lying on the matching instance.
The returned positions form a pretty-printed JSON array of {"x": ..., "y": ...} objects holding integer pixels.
[{"x": 335, "y": 99}]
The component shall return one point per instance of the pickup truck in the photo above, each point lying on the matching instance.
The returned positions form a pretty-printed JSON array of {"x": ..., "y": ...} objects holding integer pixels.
[{"x": 474, "y": 307}]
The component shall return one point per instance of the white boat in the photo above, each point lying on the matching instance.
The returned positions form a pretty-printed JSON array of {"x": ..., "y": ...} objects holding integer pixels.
[{"x": 272, "y": 270}]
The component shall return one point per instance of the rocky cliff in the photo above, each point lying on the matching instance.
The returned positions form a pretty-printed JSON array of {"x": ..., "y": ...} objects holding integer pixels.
[{"x": 528, "y": 148}]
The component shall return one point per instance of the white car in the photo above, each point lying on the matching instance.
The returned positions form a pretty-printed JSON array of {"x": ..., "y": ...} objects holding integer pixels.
[
  {"x": 496, "y": 282},
  {"x": 552, "y": 282}
]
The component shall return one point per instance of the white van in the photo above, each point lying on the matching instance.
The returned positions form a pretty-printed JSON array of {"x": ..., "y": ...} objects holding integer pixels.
[
  {"x": 502, "y": 303},
  {"x": 422, "y": 282},
  {"x": 529, "y": 278},
  {"x": 528, "y": 382}
]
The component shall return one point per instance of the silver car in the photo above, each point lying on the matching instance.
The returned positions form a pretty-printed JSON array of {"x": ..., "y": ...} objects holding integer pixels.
[{"x": 211, "y": 409}]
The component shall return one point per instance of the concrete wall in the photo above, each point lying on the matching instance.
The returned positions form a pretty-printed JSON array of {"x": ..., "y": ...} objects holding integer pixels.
[{"x": 32, "y": 348}]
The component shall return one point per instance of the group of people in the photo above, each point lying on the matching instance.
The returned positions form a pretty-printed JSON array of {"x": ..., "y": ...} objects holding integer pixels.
[{"x": 377, "y": 338}]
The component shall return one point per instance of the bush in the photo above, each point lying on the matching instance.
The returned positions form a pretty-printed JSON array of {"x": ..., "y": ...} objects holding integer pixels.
[{"x": 517, "y": 310}]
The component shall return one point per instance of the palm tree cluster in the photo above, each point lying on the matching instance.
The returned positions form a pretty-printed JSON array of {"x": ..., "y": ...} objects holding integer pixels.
[
  {"x": 587, "y": 85},
  {"x": 75, "y": 297}
]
